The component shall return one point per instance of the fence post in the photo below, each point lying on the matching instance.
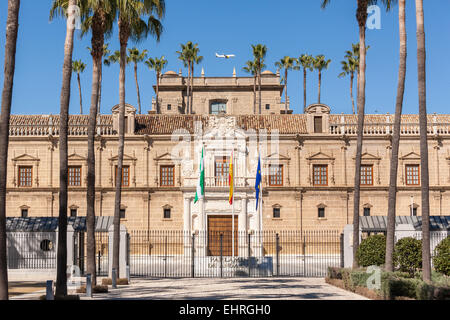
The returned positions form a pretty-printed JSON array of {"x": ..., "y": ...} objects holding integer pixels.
[
  {"x": 49, "y": 290},
  {"x": 114, "y": 278},
  {"x": 342, "y": 249},
  {"x": 304, "y": 256},
  {"x": 221, "y": 255},
  {"x": 248, "y": 255},
  {"x": 88, "y": 285},
  {"x": 99, "y": 268},
  {"x": 193, "y": 255},
  {"x": 277, "y": 242}
]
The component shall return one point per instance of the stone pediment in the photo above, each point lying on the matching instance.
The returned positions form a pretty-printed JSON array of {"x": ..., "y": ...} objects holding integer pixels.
[
  {"x": 76, "y": 157},
  {"x": 128, "y": 109},
  {"x": 410, "y": 156},
  {"x": 276, "y": 156},
  {"x": 25, "y": 157},
  {"x": 166, "y": 156},
  {"x": 125, "y": 158},
  {"x": 320, "y": 156},
  {"x": 369, "y": 156}
]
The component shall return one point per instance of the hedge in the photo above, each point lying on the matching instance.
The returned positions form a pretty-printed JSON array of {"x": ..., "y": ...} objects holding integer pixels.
[
  {"x": 408, "y": 255},
  {"x": 372, "y": 251}
]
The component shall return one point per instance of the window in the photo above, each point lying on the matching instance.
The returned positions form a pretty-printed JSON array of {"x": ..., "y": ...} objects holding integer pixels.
[
  {"x": 366, "y": 175},
  {"x": 73, "y": 212},
  {"x": 321, "y": 212},
  {"x": 318, "y": 125},
  {"x": 412, "y": 175},
  {"x": 167, "y": 176},
  {"x": 126, "y": 124},
  {"x": 221, "y": 171},
  {"x": 366, "y": 212},
  {"x": 320, "y": 175},
  {"x": 25, "y": 176},
  {"x": 169, "y": 107},
  {"x": 24, "y": 213},
  {"x": 122, "y": 213},
  {"x": 414, "y": 212},
  {"x": 218, "y": 107},
  {"x": 75, "y": 176},
  {"x": 267, "y": 106},
  {"x": 125, "y": 176},
  {"x": 276, "y": 212},
  {"x": 166, "y": 213},
  {"x": 275, "y": 175}
]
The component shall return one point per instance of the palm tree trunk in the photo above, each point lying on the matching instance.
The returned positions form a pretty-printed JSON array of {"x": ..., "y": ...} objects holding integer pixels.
[
  {"x": 254, "y": 94},
  {"x": 61, "y": 272},
  {"x": 259, "y": 89},
  {"x": 157, "y": 93},
  {"x": 425, "y": 183},
  {"x": 137, "y": 87},
  {"x": 188, "y": 89},
  {"x": 123, "y": 31},
  {"x": 359, "y": 143},
  {"x": 79, "y": 90},
  {"x": 304, "y": 89},
  {"x": 352, "y": 76},
  {"x": 192, "y": 87},
  {"x": 12, "y": 26},
  {"x": 392, "y": 198},
  {"x": 320, "y": 83},
  {"x": 285, "y": 90},
  {"x": 100, "y": 82}
]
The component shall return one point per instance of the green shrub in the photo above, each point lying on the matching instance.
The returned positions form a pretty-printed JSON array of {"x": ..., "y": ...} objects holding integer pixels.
[
  {"x": 441, "y": 258},
  {"x": 335, "y": 273},
  {"x": 393, "y": 286},
  {"x": 408, "y": 255},
  {"x": 372, "y": 251}
]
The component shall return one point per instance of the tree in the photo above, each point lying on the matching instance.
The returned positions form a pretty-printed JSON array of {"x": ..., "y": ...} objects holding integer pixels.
[
  {"x": 425, "y": 182},
  {"x": 114, "y": 58},
  {"x": 135, "y": 57},
  {"x": 320, "y": 64},
  {"x": 349, "y": 67},
  {"x": 12, "y": 27},
  {"x": 355, "y": 55},
  {"x": 259, "y": 54},
  {"x": 131, "y": 26},
  {"x": 78, "y": 67},
  {"x": 106, "y": 52},
  {"x": 157, "y": 64},
  {"x": 250, "y": 67},
  {"x": 186, "y": 55},
  {"x": 306, "y": 62},
  {"x": 61, "y": 268},
  {"x": 287, "y": 63},
  {"x": 361, "y": 17},
  {"x": 196, "y": 59},
  {"x": 392, "y": 197}
]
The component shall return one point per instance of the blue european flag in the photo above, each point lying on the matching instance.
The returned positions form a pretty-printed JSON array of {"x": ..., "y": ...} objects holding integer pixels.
[{"x": 258, "y": 182}]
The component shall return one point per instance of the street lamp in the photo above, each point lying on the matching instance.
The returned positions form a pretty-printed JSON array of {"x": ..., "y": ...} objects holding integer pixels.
[{"x": 412, "y": 206}]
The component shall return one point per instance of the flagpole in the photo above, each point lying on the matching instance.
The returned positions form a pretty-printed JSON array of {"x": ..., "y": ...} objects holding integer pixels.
[{"x": 232, "y": 204}]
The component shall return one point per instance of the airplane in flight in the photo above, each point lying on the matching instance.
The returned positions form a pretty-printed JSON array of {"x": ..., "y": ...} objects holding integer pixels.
[{"x": 226, "y": 56}]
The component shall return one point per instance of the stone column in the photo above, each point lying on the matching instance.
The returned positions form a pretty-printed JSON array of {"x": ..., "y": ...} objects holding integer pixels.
[
  {"x": 242, "y": 227},
  {"x": 122, "y": 250},
  {"x": 187, "y": 226}
]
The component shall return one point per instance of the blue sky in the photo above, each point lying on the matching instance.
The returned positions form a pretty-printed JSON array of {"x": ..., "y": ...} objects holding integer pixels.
[{"x": 286, "y": 27}]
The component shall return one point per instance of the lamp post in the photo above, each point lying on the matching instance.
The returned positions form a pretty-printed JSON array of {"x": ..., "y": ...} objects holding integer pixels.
[{"x": 412, "y": 206}]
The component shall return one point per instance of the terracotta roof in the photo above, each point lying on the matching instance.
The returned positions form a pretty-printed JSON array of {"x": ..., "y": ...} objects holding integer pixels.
[
  {"x": 37, "y": 120},
  {"x": 167, "y": 124}
]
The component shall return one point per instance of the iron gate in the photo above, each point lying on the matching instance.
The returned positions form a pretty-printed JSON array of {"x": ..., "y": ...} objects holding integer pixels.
[
  {"x": 227, "y": 254},
  {"x": 101, "y": 249}
]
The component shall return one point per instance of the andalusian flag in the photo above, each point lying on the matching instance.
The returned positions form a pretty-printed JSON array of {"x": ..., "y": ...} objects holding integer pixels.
[
  {"x": 200, "y": 194},
  {"x": 231, "y": 180}
]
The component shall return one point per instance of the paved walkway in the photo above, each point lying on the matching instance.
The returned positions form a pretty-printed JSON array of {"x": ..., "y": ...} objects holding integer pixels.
[
  {"x": 216, "y": 289},
  {"x": 234, "y": 289}
]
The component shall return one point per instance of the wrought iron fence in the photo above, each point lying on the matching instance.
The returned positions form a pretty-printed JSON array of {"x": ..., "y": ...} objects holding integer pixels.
[
  {"x": 101, "y": 249},
  {"x": 31, "y": 250},
  {"x": 228, "y": 254}
]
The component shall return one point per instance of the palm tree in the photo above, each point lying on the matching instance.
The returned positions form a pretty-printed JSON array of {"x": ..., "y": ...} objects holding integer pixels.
[
  {"x": 196, "y": 59},
  {"x": 12, "y": 27},
  {"x": 136, "y": 57},
  {"x": 355, "y": 55},
  {"x": 157, "y": 64},
  {"x": 78, "y": 67},
  {"x": 361, "y": 17},
  {"x": 320, "y": 64},
  {"x": 186, "y": 55},
  {"x": 392, "y": 198},
  {"x": 114, "y": 58},
  {"x": 425, "y": 183},
  {"x": 131, "y": 25},
  {"x": 106, "y": 52},
  {"x": 61, "y": 271},
  {"x": 250, "y": 67},
  {"x": 259, "y": 54},
  {"x": 349, "y": 67},
  {"x": 287, "y": 63},
  {"x": 306, "y": 62}
]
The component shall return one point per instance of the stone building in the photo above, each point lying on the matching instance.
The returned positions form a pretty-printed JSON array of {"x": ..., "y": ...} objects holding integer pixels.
[{"x": 307, "y": 159}]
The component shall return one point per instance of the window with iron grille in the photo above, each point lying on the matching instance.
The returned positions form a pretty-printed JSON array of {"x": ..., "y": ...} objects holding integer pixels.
[
  {"x": 167, "y": 213},
  {"x": 25, "y": 176},
  {"x": 167, "y": 176},
  {"x": 267, "y": 106},
  {"x": 366, "y": 212},
  {"x": 275, "y": 175},
  {"x": 366, "y": 175},
  {"x": 75, "y": 176},
  {"x": 125, "y": 176},
  {"x": 412, "y": 175},
  {"x": 320, "y": 175},
  {"x": 222, "y": 170},
  {"x": 277, "y": 212}
]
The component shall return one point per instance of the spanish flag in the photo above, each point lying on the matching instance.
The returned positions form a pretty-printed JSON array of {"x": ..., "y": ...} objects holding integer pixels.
[{"x": 230, "y": 179}]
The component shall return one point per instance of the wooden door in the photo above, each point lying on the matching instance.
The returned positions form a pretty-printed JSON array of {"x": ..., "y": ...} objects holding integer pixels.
[{"x": 218, "y": 225}]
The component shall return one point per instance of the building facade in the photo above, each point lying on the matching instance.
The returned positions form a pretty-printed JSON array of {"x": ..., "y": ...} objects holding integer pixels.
[{"x": 307, "y": 161}]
